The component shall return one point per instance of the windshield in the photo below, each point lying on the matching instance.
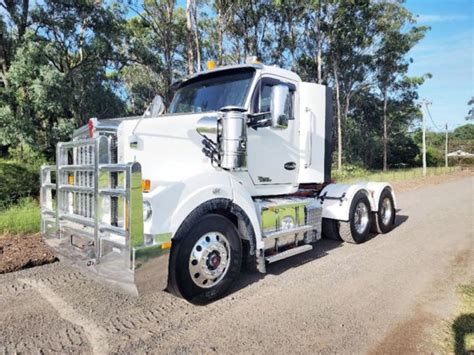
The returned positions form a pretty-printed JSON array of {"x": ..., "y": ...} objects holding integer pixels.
[{"x": 212, "y": 92}]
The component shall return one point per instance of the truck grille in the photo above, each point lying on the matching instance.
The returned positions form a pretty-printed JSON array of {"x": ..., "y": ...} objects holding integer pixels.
[{"x": 83, "y": 202}]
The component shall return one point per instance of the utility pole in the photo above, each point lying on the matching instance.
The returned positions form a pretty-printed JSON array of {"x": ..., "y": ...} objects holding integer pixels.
[
  {"x": 424, "y": 103},
  {"x": 446, "y": 148}
]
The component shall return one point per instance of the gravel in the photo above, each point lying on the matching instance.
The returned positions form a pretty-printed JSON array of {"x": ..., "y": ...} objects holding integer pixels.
[{"x": 388, "y": 295}]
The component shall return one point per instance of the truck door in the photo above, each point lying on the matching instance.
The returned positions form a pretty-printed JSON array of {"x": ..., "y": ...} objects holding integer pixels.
[{"x": 272, "y": 153}]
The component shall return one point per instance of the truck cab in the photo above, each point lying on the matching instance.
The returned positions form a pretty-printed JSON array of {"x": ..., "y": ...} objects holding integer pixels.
[{"x": 234, "y": 173}]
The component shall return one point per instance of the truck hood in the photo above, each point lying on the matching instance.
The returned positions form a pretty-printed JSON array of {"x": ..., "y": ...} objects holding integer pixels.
[{"x": 168, "y": 147}]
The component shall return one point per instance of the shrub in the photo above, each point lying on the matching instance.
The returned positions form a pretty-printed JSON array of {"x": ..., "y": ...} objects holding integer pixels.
[{"x": 17, "y": 181}]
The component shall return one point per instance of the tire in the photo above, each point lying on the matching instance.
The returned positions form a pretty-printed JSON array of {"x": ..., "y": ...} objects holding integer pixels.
[
  {"x": 384, "y": 218},
  {"x": 205, "y": 260},
  {"x": 357, "y": 229},
  {"x": 330, "y": 229}
]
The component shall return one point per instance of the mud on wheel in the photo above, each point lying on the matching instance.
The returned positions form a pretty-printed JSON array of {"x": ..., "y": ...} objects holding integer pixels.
[{"x": 205, "y": 260}]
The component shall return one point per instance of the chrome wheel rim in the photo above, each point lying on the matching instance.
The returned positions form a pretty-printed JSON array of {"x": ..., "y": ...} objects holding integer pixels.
[
  {"x": 209, "y": 259},
  {"x": 361, "y": 217},
  {"x": 387, "y": 211}
]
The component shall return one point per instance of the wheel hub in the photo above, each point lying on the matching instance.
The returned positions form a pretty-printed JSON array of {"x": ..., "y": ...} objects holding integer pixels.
[
  {"x": 209, "y": 259},
  {"x": 213, "y": 260},
  {"x": 387, "y": 211},
  {"x": 361, "y": 217}
]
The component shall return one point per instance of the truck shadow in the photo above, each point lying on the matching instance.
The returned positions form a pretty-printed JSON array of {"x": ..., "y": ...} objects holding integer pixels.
[
  {"x": 400, "y": 219},
  {"x": 320, "y": 249}
]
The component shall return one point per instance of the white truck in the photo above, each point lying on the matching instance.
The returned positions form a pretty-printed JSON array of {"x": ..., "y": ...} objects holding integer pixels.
[{"x": 235, "y": 174}]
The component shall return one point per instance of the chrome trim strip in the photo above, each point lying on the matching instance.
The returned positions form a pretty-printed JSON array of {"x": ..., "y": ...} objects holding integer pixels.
[
  {"x": 76, "y": 219},
  {"x": 76, "y": 167},
  {"x": 113, "y": 192},
  {"x": 113, "y": 229},
  {"x": 284, "y": 232},
  {"x": 73, "y": 188}
]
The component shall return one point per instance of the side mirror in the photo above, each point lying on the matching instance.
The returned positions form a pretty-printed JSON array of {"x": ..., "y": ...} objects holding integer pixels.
[
  {"x": 156, "y": 108},
  {"x": 280, "y": 96}
]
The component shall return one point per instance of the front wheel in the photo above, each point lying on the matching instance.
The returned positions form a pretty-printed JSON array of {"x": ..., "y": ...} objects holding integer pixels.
[{"x": 206, "y": 259}]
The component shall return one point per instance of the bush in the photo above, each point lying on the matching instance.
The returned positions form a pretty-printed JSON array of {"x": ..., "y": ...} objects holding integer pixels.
[
  {"x": 17, "y": 181},
  {"x": 348, "y": 171}
]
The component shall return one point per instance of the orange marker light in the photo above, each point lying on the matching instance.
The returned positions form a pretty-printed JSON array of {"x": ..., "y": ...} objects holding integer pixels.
[
  {"x": 166, "y": 245},
  {"x": 211, "y": 65},
  {"x": 146, "y": 185},
  {"x": 70, "y": 179}
]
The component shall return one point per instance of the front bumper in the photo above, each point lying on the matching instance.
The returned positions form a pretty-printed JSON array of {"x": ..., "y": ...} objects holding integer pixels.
[{"x": 148, "y": 272}]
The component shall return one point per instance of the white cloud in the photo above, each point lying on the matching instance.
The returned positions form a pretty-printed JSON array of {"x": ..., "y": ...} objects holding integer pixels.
[{"x": 440, "y": 18}]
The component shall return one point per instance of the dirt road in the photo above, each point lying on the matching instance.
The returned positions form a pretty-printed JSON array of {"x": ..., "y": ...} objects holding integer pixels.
[{"x": 387, "y": 295}]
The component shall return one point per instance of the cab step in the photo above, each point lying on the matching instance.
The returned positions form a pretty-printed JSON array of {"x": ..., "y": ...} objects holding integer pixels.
[{"x": 288, "y": 253}]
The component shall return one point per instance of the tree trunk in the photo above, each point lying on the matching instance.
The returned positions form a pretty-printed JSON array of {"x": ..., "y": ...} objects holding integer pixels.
[
  {"x": 189, "y": 36},
  {"x": 385, "y": 131},
  {"x": 339, "y": 125},
  {"x": 319, "y": 43},
  {"x": 220, "y": 34},
  {"x": 196, "y": 38}
]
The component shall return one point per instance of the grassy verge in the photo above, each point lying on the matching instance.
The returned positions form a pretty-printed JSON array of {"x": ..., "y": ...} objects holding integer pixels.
[
  {"x": 460, "y": 334},
  {"x": 390, "y": 175},
  {"x": 21, "y": 218}
]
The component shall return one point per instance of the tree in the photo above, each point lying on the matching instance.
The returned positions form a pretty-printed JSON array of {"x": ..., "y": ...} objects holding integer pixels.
[
  {"x": 390, "y": 57},
  {"x": 155, "y": 45},
  {"x": 350, "y": 37},
  {"x": 57, "y": 75}
]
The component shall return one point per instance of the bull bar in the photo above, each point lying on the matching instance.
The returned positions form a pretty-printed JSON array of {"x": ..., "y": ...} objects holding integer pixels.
[{"x": 92, "y": 216}]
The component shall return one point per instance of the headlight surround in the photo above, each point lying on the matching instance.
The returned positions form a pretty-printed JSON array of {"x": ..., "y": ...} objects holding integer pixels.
[{"x": 146, "y": 210}]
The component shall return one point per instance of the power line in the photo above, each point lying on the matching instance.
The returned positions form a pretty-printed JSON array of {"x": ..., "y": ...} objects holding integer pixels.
[{"x": 431, "y": 118}]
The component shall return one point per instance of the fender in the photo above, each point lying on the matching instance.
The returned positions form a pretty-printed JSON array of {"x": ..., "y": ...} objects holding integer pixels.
[
  {"x": 341, "y": 196},
  {"x": 173, "y": 203},
  {"x": 375, "y": 189}
]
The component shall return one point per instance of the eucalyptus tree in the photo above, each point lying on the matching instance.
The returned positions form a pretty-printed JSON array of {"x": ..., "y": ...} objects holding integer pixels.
[
  {"x": 350, "y": 34},
  {"x": 156, "y": 50},
  {"x": 390, "y": 59}
]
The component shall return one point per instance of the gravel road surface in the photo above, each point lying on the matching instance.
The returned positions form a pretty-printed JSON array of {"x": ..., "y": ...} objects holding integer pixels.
[{"x": 388, "y": 295}]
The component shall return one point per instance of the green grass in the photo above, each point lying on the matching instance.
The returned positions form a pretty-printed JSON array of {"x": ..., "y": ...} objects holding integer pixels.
[
  {"x": 390, "y": 175},
  {"x": 460, "y": 332},
  {"x": 21, "y": 218}
]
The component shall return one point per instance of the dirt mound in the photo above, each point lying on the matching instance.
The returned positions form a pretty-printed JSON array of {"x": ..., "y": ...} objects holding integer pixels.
[{"x": 23, "y": 251}]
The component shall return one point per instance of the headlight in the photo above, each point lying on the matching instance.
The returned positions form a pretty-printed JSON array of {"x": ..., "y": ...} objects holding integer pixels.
[{"x": 146, "y": 210}]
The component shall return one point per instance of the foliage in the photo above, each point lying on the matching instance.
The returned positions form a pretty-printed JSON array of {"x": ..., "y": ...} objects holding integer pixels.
[
  {"x": 465, "y": 132},
  {"x": 22, "y": 218},
  {"x": 62, "y": 62},
  {"x": 17, "y": 181}
]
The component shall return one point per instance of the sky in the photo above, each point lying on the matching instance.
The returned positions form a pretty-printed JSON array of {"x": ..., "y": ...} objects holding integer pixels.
[{"x": 447, "y": 52}]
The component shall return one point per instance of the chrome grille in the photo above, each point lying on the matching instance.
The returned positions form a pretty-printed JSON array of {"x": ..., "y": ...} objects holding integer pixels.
[{"x": 83, "y": 202}]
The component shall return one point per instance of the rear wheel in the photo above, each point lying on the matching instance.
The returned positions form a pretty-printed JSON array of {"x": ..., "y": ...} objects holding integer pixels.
[
  {"x": 384, "y": 220},
  {"x": 357, "y": 229},
  {"x": 206, "y": 259}
]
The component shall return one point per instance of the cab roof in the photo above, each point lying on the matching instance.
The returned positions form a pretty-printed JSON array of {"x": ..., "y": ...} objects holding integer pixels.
[{"x": 264, "y": 69}]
